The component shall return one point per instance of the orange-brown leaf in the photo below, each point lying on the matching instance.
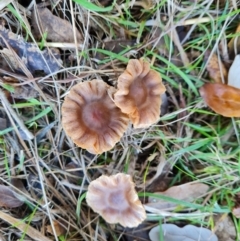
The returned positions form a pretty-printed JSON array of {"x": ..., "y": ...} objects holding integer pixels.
[{"x": 223, "y": 99}]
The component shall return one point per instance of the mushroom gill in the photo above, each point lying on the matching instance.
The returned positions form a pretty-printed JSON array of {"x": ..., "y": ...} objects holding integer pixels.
[
  {"x": 90, "y": 117},
  {"x": 139, "y": 93},
  {"x": 115, "y": 199}
]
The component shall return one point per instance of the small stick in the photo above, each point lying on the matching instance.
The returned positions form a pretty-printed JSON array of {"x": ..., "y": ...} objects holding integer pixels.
[{"x": 7, "y": 106}]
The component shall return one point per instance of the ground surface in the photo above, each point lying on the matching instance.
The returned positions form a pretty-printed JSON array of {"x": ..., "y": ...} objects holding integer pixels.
[{"x": 190, "y": 145}]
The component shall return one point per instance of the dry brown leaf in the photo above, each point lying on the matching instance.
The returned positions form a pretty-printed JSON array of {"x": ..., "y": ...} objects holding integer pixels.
[
  {"x": 59, "y": 229},
  {"x": 186, "y": 192},
  {"x": 25, "y": 228},
  {"x": 223, "y": 99},
  {"x": 234, "y": 73},
  {"x": 216, "y": 69},
  {"x": 8, "y": 198},
  {"x": 57, "y": 29}
]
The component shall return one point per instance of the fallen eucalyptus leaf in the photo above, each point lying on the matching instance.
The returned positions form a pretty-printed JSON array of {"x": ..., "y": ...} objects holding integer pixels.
[
  {"x": 234, "y": 73},
  {"x": 223, "y": 99},
  {"x": 171, "y": 232},
  {"x": 186, "y": 192}
]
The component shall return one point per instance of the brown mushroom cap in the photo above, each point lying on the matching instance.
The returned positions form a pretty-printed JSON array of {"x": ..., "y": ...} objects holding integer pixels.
[
  {"x": 90, "y": 117},
  {"x": 115, "y": 199},
  {"x": 139, "y": 93}
]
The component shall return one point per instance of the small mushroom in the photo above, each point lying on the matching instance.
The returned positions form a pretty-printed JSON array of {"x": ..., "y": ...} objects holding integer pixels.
[
  {"x": 139, "y": 93},
  {"x": 115, "y": 199},
  {"x": 90, "y": 117}
]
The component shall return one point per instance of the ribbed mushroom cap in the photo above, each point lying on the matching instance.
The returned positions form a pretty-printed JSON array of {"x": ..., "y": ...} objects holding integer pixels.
[
  {"x": 139, "y": 93},
  {"x": 115, "y": 199},
  {"x": 90, "y": 117}
]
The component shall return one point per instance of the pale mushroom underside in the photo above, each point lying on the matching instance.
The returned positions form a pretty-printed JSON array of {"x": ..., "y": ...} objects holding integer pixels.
[{"x": 115, "y": 199}]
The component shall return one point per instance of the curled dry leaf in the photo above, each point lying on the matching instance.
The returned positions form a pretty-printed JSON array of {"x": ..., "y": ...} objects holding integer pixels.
[
  {"x": 234, "y": 73},
  {"x": 186, "y": 192},
  {"x": 57, "y": 29},
  {"x": 171, "y": 232},
  {"x": 223, "y": 99},
  {"x": 8, "y": 198},
  {"x": 216, "y": 69}
]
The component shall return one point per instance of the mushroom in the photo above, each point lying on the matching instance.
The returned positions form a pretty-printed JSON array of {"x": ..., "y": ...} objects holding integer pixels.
[
  {"x": 116, "y": 200},
  {"x": 139, "y": 93},
  {"x": 90, "y": 117}
]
